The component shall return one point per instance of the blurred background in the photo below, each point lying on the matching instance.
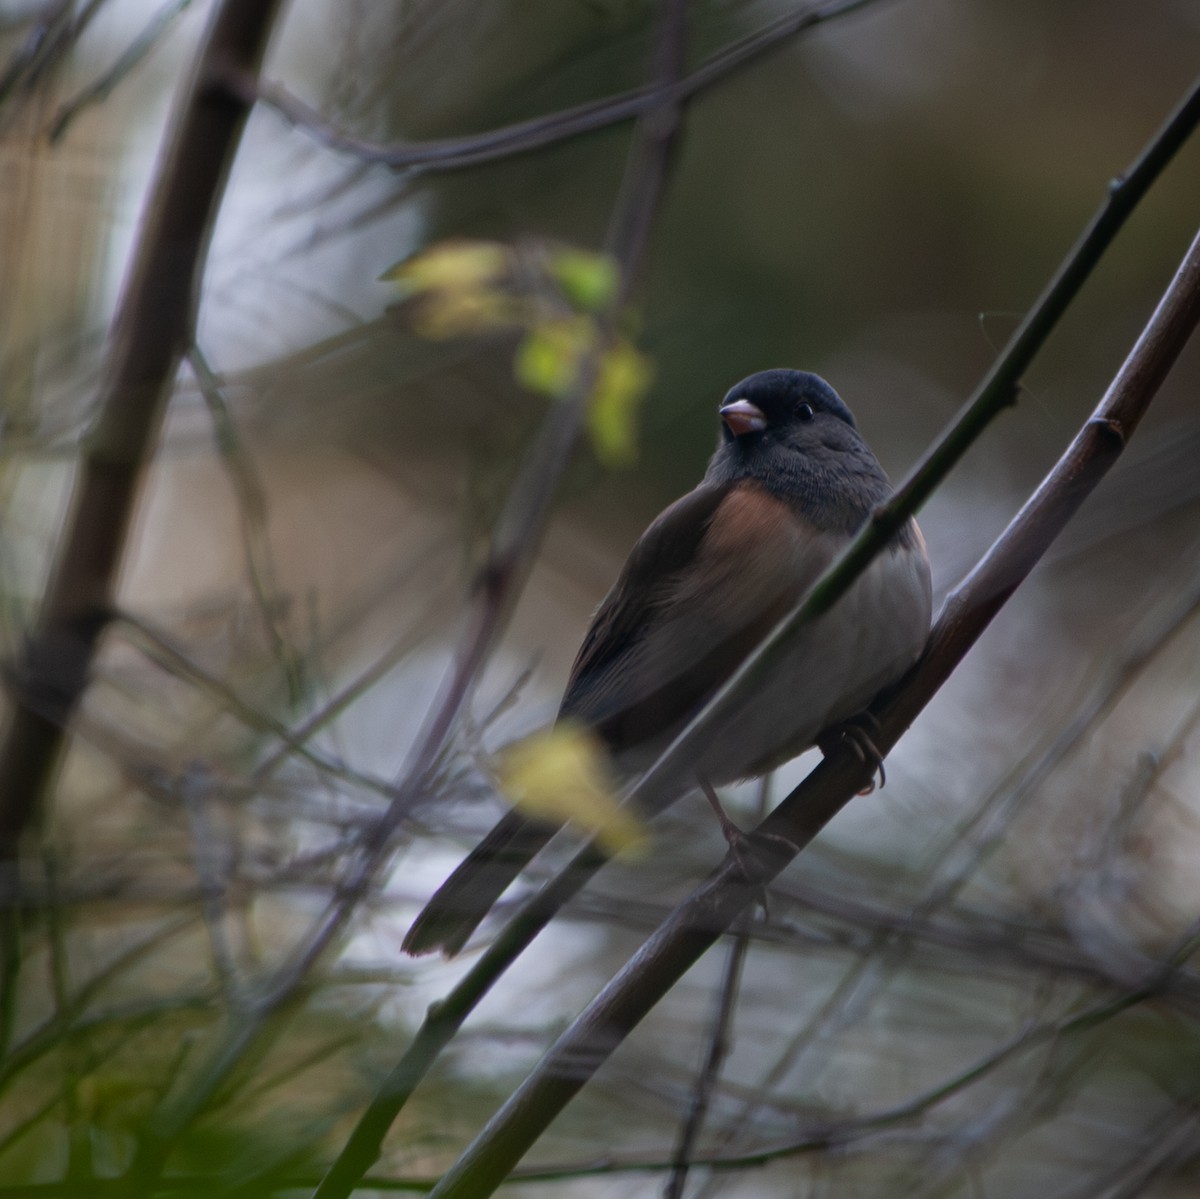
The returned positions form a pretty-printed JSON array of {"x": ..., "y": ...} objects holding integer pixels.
[{"x": 950, "y": 993}]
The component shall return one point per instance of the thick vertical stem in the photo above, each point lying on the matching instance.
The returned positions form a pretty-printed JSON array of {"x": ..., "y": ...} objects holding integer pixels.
[{"x": 152, "y": 328}]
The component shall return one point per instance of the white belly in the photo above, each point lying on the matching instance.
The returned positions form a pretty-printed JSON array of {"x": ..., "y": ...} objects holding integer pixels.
[{"x": 837, "y": 666}]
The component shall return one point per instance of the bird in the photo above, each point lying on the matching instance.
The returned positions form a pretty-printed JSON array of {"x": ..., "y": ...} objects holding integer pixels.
[{"x": 790, "y": 484}]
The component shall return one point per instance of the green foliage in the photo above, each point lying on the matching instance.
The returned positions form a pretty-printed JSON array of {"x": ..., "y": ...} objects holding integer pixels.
[
  {"x": 561, "y": 300},
  {"x": 549, "y": 357},
  {"x": 623, "y": 379},
  {"x": 588, "y": 280}
]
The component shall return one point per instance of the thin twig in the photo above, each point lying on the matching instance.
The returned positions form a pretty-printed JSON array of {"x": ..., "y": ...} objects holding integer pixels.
[
  {"x": 101, "y": 88},
  {"x": 650, "y": 156},
  {"x": 34, "y": 15},
  {"x": 718, "y": 1045},
  {"x": 40, "y": 47},
  {"x": 44, "y": 1036},
  {"x": 296, "y": 739},
  {"x": 986, "y": 828},
  {"x": 212, "y": 874},
  {"x": 524, "y": 136},
  {"x": 718, "y": 1050},
  {"x": 153, "y": 324},
  {"x": 251, "y": 495},
  {"x": 990, "y": 820},
  {"x": 159, "y": 647},
  {"x": 696, "y": 923},
  {"x": 1169, "y": 1147},
  {"x": 46, "y": 46},
  {"x": 1027, "y": 946}
]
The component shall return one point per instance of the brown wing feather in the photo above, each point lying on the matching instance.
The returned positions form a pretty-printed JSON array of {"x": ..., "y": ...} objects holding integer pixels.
[
  {"x": 694, "y": 631},
  {"x": 666, "y": 547},
  {"x": 625, "y": 614},
  {"x": 690, "y": 629}
]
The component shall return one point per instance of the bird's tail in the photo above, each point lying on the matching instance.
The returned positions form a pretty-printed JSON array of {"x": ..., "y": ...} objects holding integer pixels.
[{"x": 466, "y": 897}]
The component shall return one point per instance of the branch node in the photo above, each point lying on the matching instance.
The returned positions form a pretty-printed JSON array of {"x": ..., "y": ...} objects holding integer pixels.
[
  {"x": 883, "y": 518},
  {"x": 1110, "y": 427}
]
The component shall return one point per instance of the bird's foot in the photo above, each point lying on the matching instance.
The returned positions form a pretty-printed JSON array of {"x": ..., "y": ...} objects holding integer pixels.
[
  {"x": 857, "y": 733},
  {"x": 739, "y": 843},
  {"x": 734, "y": 837}
]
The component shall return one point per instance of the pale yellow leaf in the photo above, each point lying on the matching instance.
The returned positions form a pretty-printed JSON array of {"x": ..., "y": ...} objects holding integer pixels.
[
  {"x": 587, "y": 279},
  {"x": 443, "y": 314},
  {"x": 457, "y": 264},
  {"x": 621, "y": 381},
  {"x": 563, "y": 774}
]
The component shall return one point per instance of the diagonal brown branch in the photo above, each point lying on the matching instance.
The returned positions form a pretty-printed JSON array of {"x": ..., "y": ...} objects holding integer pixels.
[
  {"x": 949, "y": 871},
  {"x": 697, "y": 923}
]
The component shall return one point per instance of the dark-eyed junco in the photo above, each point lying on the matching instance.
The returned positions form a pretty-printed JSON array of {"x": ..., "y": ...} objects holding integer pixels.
[{"x": 790, "y": 484}]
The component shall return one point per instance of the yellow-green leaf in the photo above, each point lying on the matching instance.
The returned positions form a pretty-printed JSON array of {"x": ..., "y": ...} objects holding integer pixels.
[
  {"x": 563, "y": 774},
  {"x": 457, "y": 264},
  {"x": 457, "y": 313},
  {"x": 549, "y": 357},
  {"x": 621, "y": 381},
  {"x": 587, "y": 279}
]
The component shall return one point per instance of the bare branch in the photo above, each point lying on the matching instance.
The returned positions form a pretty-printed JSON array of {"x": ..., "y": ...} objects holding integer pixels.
[
  {"x": 100, "y": 89},
  {"x": 951, "y": 870},
  {"x": 1170, "y": 1146},
  {"x": 46, "y": 1035},
  {"x": 702, "y": 918},
  {"x": 252, "y": 512},
  {"x": 51, "y": 33},
  {"x": 159, "y": 647},
  {"x": 152, "y": 327},
  {"x": 212, "y": 871},
  {"x": 718, "y": 1046},
  {"x": 523, "y": 136},
  {"x": 718, "y": 1050}
]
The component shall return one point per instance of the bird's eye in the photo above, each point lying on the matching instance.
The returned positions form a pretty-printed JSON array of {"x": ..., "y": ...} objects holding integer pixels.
[{"x": 804, "y": 412}]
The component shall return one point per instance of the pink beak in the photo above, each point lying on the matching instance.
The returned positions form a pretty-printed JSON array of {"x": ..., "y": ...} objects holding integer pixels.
[{"x": 743, "y": 417}]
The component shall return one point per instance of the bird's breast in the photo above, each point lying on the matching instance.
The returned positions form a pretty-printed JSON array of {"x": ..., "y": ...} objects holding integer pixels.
[{"x": 758, "y": 561}]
